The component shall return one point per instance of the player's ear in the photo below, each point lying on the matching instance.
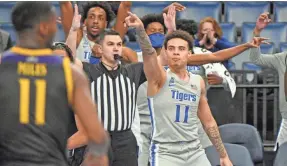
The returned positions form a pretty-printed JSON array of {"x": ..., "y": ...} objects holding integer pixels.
[{"x": 190, "y": 52}]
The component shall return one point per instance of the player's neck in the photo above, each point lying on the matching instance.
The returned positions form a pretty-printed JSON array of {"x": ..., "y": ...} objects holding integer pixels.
[
  {"x": 91, "y": 37},
  {"x": 181, "y": 73},
  {"x": 29, "y": 42}
]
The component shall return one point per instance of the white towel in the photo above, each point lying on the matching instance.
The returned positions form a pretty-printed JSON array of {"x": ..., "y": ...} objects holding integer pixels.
[{"x": 219, "y": 69}]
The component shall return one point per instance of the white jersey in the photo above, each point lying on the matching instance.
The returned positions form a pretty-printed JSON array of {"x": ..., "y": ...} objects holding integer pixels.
[
  {"x": 84, "y": 50},
  {"x": 174, "y": 110}
]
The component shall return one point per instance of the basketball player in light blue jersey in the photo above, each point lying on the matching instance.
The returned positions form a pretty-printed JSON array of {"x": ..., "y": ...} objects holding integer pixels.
[{"x": 176, "y": 97}]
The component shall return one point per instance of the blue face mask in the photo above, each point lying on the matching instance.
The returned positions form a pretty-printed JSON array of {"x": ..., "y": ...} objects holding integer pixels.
[
  {"x": 156, "y": 40},
  {"x": 94, "y": 60}
]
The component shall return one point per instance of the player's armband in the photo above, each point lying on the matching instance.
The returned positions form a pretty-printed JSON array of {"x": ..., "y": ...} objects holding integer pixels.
[{"x": 99, "y": 149}]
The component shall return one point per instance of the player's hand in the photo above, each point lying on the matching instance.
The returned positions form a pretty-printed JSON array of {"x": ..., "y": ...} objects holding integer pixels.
[
  {"x": 91, "y": 160},
  {"x": 169, "y": 18},
  {"x": 97, "y": 51},
  {"x": 225, "y": 161},
  {"x": 76, "y": 19},
  {"x": 257, "y": 41},
  {"x": 133, "y": 21},
  {"x": 178, "y": 7},
  {"x": 262, "y": 21},
  {"x": 210, "y": 35},
  {"x": 214, "y": 79},
  {"x": 203, "y": 40}
]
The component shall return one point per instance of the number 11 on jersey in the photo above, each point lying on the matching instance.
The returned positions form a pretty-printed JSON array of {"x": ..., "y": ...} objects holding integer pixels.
[
  {"x": 40, "y": 102},
  {"x": 179, "y": 111}
]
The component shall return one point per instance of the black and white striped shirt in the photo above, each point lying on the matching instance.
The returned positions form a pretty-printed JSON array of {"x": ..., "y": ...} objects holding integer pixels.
[{"x": 115, "y": 93}]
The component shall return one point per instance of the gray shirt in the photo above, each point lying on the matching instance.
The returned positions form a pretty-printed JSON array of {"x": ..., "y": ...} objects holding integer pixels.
[{"x": 277, "y": 62}]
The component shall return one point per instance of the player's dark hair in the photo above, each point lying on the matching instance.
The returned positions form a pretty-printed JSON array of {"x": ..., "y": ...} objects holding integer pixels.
[
  {"x": 63, "y": 46},
  {"x": 150, "y": 18},
  {"x": 27, "y": 14},
  {"x": 187, "y": 25},
  {"x": 101, "y": 36},
  {"x": 101, "y": 4},
  {"x": 182, "y": 35}
]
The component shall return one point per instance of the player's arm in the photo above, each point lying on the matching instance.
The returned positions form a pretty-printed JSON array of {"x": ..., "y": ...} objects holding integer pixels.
[
  {"x": 153, "y": 70},
  {"x": 221, "y": 55},
  {"x": 86, "y": 112},
  {"x": 209, "y": 123},
  {"x": 129, "y": 55},
  {"x": 123, "y": 10},
  {"x": 67, "y": 14},
  {"x": 72, "y": 35}
]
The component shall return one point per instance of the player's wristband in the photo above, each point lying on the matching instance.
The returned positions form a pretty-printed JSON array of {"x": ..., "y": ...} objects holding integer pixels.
[
  {"x": 254, "y": 35},
  {"x": 99, "y": 149}
]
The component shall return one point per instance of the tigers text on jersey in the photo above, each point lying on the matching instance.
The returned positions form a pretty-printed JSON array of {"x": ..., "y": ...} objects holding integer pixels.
[{"x": 174, "y": 109}]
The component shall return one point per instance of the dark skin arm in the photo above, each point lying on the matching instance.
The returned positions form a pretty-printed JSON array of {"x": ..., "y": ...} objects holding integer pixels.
[
  {"x": 89, "y": 126},
  {"x": 123, "y": 10}
]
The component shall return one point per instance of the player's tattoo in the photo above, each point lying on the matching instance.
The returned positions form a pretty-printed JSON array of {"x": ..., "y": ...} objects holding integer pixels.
[
  {"x": 144, "y": 42},
  {"x": 215, "y": 138}
]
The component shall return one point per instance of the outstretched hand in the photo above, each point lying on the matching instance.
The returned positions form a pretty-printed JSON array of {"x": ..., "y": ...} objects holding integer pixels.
[
  {"x": 178, "y": 7},
  {"x": 169, "y": 18},
  {"x": 76, "y": 19},
  {"x": 257, "y": 41},
  {"x": 262, "y": 21},
  {"x": 132, "y": 20}
]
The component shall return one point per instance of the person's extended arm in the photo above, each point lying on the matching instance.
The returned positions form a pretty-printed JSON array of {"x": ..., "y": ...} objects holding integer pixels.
[
  {"x": 268, "y": 60},
  {"x": 66, "y": 15},
  {"x": 78, "y": 139},
  {"x": 221, "y": 55},
  {"x": 72, "y": 36},
  {"x": 210, "y": 125},
  {"x": 86, "y": 112},
  {"x": 123, "y": 10},
  {"x": 129, "y": 55},
  {"x": 153, "y": 70}
]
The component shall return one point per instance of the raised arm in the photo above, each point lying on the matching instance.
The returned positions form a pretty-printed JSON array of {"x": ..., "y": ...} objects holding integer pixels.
[
  {"x": 66, "y": 15},
  {"x": 72, "y": 36},
  {"x": 154, "y": 72},
  {"x": 123, "y": 10},
  {"x": 210, "y": 126},
  {"x": 222, "y": 55},
  {"x": 86, "y": 111},
  {"x": 267, "y": 60}
]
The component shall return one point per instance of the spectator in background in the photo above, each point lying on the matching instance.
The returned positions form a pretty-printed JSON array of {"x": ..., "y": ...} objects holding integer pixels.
[
  {"x": 5, "y": 41},
  {"x": 210, "y": 37},
  {"x": 187, "y": 25},
  {"x": 96, "y": 16},
  {"x": 276, "y": 62}
]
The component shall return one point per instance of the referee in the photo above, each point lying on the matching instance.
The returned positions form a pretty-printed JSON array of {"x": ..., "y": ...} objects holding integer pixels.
[{"x": 114, "y": 88}]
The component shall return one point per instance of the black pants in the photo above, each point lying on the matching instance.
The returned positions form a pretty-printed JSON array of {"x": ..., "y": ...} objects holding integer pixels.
[{"x": 123, "y": 151}]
